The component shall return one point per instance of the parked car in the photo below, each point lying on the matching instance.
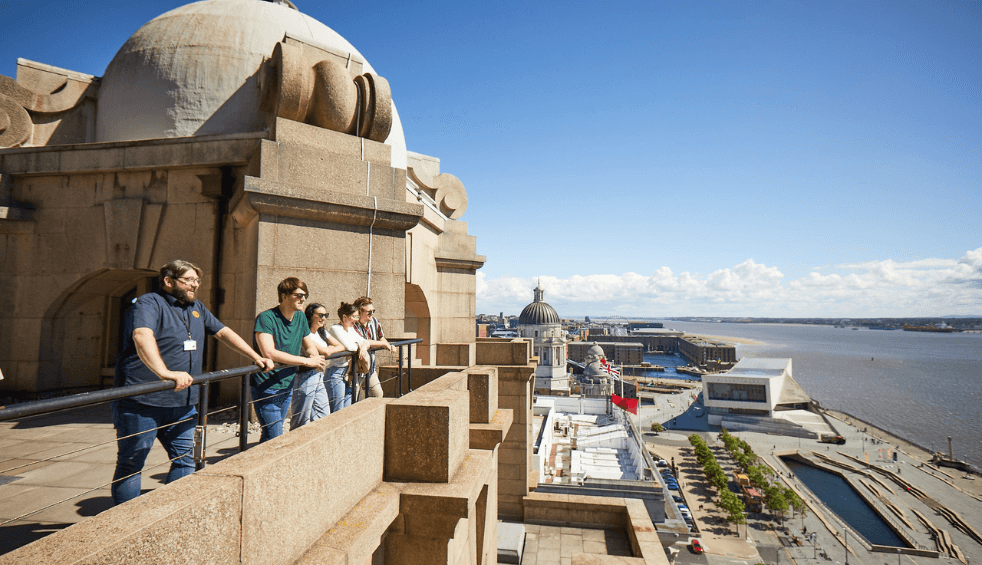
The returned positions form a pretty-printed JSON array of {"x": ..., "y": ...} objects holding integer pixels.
[
  {"x": 696, "y": 546},
  {"x": 677, "y": 498},
  {"x": 661, "y": 463}
]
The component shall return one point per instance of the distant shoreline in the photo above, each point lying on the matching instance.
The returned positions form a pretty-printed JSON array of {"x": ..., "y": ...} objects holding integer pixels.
[{"x": 728, "y": 339}]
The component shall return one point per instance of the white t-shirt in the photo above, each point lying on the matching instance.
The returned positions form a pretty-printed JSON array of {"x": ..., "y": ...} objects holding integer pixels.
[
  {"x": 349, "y": 338},
  {"x": 316, "y": 337}
]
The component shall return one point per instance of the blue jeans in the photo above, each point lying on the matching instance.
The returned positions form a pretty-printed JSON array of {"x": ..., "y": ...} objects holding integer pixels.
[
  {"x": 310, "y": 400},
  {"x": 141, "y": 422},
  {"x": 271, "y": 408},
  {"x": 337, "y": 390}
]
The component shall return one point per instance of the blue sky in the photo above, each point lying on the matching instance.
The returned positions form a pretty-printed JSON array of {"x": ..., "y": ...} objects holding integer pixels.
[{"x": 669, "y": 158}]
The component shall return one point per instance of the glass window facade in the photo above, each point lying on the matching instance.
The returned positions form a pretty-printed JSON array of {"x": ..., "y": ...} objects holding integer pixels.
[{"x": 737, "y": 392}]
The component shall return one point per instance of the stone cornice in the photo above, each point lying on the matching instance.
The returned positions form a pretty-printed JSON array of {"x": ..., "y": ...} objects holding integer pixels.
[
  {"x": 148, "y": 154},
  {"x": 457, "y": 261},
  {"x": 295, "y": 201}
]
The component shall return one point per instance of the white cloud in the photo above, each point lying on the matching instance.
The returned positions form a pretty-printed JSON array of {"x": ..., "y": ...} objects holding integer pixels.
[{"x": 925, "y": 287}]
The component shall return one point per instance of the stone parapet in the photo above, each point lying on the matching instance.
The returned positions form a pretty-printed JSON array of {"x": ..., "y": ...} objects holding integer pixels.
[
  {"x": 153, "y": 528},
  {"x": 426, "y": 436},
  {"x": 295, "y": 487},
  {"x": 600, "y": 512},
  {"x": 409, "y": 479},
  {"x": 389, "y": 378},
  {"x": 501, "y": 351},
  {"x": 516, "y": 477},
  {"x": 492, "y": 434},
  {"x": 482, "y": 384}
]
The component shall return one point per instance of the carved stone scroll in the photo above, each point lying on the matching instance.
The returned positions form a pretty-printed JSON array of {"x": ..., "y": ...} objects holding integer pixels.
[
  {"x": 16, "y": 101},
  {"x": 322, "y": 93},
  {"x": 15, "y": 123},
  {"x": 447, "y": 191}
]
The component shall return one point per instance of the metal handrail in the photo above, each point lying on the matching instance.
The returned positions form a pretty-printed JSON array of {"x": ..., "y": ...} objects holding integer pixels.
[{"x": 48, "y": 406}]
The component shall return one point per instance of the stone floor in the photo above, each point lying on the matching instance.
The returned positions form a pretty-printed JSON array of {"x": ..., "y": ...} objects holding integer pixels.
[
  {"x": 55, "y": 470},
  {"x": 554, "y": 545}
]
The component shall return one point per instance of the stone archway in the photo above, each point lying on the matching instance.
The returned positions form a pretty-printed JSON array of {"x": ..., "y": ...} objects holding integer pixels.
[
  {"x": 82, "y": 330},
  {"x": 417, "y": 320}
]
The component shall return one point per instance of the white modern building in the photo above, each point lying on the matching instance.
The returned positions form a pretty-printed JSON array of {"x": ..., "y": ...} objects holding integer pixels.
[{"x": 753, "y": 387}]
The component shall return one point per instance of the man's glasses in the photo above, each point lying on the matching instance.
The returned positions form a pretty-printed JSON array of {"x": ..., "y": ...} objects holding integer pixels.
[
  {"x": 299, "y": 295},
  {"x": 188, "y": 280},
  {"x": 369, "y": 312}
]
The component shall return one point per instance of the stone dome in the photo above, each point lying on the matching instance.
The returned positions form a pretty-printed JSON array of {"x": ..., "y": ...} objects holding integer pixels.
[
  {"x": 193, "y": 71},
  {"x": 538, "y": 313},
  {"x": 595, "y": 351}
]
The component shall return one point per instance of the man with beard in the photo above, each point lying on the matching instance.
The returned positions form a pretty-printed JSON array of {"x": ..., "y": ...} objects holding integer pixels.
[{"x": 164, "y": 339}]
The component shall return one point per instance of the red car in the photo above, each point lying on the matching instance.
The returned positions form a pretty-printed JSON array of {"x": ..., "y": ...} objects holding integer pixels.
[{"x": 696, "y": 546}]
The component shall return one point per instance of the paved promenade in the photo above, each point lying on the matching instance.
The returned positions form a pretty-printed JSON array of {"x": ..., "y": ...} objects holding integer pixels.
[{"x": 950, "y": 488}]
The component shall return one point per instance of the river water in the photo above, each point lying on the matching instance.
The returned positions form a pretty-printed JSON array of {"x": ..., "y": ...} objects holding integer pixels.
[{"x": 920, "y": 386}]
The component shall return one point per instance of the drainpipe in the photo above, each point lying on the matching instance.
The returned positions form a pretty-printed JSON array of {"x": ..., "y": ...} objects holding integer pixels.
[{"x": 217, "y": 292}]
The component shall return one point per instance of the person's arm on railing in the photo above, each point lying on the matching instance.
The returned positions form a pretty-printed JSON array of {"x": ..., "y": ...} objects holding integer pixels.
[
  {"x": 381, "y": 343},
  {"x": 146, "y": 348},
  {"x": 235, "y": 342},
  {"x": 267, "y": 348},
  {"x": 344, "y": 338},
  {"x": 333, "y": 346},
  {"x": 349, "y": 342}
]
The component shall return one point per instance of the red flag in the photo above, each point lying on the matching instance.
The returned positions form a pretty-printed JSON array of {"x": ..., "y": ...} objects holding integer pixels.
[{"x": 629, "y": 404}]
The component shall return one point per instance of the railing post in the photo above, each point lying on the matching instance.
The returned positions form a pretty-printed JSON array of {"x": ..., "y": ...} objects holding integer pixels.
[
  {"x": 410, "y": 370},
  {"x": 353, "y": 375},
  {"x": 244, "y": 413},
  {"x": 399, "y": 394},
  {"x": 201, "y": 430}
]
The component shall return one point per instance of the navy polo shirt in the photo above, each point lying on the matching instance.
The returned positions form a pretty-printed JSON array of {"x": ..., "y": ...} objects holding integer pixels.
[{"x": 170, "y": 323}]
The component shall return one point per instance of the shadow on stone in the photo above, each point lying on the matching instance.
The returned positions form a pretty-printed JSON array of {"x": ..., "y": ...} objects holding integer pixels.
[{"x": 21, "y": 535}]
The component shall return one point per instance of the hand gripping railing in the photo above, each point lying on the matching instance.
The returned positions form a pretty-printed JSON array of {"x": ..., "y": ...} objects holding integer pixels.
[{"x": 352, "y": 364}]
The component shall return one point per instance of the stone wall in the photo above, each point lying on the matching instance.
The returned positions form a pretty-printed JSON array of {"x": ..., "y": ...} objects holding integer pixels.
[{"x": 414, "y": 479}]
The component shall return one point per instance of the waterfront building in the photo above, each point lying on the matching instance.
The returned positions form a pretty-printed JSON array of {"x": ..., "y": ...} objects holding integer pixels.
[
  {"x": 207, "y": 139},
  {"x": 760, "y": 394},
  {"x": 619, "y": 353},
  {"x": 540, "y": 323},
  {"x": 701, "y": 351},
  {"x": 633, "y": 326},
  {"x": 652, "y": 339}
]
